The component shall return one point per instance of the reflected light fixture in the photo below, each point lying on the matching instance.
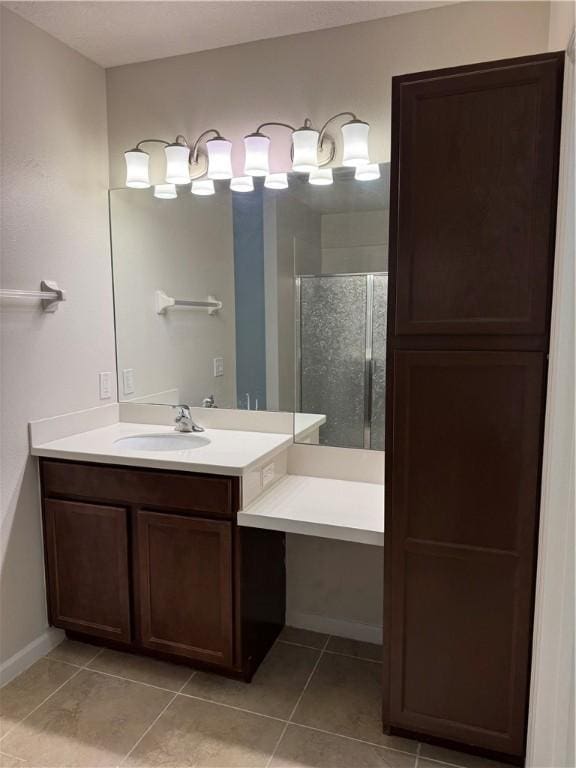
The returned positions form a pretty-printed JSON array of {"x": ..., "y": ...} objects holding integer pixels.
[
  {"x": 276, "y": 181},
  {"x": 367, "y": 172},
  {"x": 165, "y": 191},
  {"x": 137, "y": 168},
  {"x": 242, "y": 184},
  {"x": 321, "y": 177},
  {"x": 202, "y": 187},
  {"x": 257, "y": 147}
]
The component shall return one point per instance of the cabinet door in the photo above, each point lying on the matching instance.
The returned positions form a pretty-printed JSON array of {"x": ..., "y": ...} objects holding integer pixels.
[
  {"x": 473, "y": 212},
  {"x": 87, "y": 568},
  {"x": 184, "y": 573},
  {"x": 461, "y": 549}
]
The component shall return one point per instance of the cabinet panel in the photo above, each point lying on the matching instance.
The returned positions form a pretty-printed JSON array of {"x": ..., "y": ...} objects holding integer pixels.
[
  {"x": 87, "y": 568},
  {"x": 475, "y": 198},
  {"x": 464, "y": 494},
  {"x": 180, "y": 491},
  {"x": 184, "y": 573}
]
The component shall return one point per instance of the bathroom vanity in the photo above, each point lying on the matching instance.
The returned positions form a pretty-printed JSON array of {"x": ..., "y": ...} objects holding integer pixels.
[{"x": 120, "y": 543}]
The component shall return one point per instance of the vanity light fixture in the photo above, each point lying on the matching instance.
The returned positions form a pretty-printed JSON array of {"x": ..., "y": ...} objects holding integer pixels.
[
  {"x": 219, "y": 158},
  {"x": 321, "y": 177},
  {"x": 312, "y": 150},
  {"x": 257, "y": 147},
  {"x": 165, "y": 191},
  {"x": 305, "y": 149},
  {"x": 355, "y": 138},
  {"x": 276, "y": 181},
  {"x": 177, "y": 163},
  {"x": 242, "y": 184},
  {"x": 137, "y": 168},
  {"x": 202, "y": 187},
  {"x": 367, "y": 172}
]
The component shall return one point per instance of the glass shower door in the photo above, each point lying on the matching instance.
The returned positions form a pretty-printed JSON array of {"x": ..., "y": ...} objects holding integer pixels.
[{"x": 333, "y": 355}]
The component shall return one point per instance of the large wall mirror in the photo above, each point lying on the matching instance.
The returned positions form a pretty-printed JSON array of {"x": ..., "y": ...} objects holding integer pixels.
[{"x": 263, "y": 300}]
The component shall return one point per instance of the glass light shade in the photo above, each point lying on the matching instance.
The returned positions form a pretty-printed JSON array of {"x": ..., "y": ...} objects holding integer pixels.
[
  {"x": 242, "y": 184},
  {"x": 219, "y": 159},
  {"x": 177, "y": 164},
  {"x": 355, "y": 137},
  {"x": 305, "y": 150},
  {"x": 165, "y": 191},
  {"x": 137, "y": 169},
  {"x": 321, "y": 177},
  {"x": 257, "y": 150},
  {"x": 276, "y": 181},
  {"x": 203, "y": 187},
  {"x": 367, "y": 172}
]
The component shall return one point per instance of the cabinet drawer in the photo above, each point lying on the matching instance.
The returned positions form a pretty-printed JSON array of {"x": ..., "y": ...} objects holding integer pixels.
[{"x": 216, "y": 496}]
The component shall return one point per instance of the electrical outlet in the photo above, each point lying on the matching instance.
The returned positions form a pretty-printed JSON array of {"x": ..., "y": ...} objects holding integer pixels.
[
  {"x": 105, "y": 384},
  {"x": 218, "y": 366},
  {"x": 128, "y": 386},
  {"x": 267, "y": 475}
]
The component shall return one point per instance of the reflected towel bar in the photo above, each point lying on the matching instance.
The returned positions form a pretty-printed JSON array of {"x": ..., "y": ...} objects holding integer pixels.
[
  {"x": 164, "y": 302},
  {"x": 49, "y": 294}
]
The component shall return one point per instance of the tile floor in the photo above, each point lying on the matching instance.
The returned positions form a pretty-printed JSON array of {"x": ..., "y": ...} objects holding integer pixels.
[{"x": 314, "y": 703}]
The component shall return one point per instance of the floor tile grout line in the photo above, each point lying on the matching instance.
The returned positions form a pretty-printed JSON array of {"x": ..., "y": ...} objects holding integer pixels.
[
  {"x": 46, "y": 656},
  {"x": 418, "y": 750},
  {"x": 361, "y": 741},
  {"x": 138, "y": 682},
  {"x": 153, "y": 723},
  {"x": 327, "y": 650},
  {"x": 299, "y": 699},
  {"x": 23, "y": 720},
  {"x": 232, "y": 706},
  {"x": 12, "y": 757}
]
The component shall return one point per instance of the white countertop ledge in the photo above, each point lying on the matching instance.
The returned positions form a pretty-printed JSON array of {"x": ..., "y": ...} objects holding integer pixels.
[
  {"x": 230, "y": 452},
  {"x": 315, "y": 506}
]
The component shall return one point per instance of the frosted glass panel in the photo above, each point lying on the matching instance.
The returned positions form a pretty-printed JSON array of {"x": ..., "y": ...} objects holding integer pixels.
[
  {"x": 379, "y": 310},
  {"x": 333, "y": 355}
]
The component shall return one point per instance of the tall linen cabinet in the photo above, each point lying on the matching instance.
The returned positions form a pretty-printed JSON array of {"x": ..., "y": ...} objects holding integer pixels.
[{"x": 472, "y": 230}]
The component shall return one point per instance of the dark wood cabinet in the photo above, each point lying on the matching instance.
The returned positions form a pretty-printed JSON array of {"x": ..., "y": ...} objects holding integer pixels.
[
  {"x": 154, "y": 561},
  {"x": 184, "y": 577},
  {"x": 88, "y": 567},
  {"x": 472, "y": 225}
]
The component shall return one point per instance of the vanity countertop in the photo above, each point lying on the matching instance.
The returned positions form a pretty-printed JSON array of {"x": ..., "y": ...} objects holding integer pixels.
[
  {"x": 229, "y": 452},
  {"x": 315, "y": 506}
]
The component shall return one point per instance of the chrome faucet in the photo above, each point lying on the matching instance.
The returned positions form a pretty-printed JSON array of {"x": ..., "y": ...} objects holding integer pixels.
[{"x": 184, "y": 421}]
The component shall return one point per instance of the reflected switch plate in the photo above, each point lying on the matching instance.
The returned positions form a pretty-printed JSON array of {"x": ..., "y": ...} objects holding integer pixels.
[{"x": 218, "y": 366}]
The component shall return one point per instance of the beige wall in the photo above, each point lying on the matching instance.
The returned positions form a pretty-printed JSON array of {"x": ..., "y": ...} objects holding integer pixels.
[
  {"x": 185, "y": 248},
  {"x": 55, "y": 226},
  {"x": 315, "y": 74}
]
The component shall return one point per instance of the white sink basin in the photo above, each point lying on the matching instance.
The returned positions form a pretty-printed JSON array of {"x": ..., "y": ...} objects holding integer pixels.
[{"x": 171, "y": 442}]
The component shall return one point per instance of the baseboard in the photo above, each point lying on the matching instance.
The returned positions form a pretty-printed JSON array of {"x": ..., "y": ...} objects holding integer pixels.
[
  {"x": 368, "y": 633},
  {"x": 20, "y": 661}
]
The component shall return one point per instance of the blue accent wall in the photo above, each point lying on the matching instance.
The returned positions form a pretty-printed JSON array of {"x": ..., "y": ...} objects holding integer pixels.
[{"x": 250, "y": 298}]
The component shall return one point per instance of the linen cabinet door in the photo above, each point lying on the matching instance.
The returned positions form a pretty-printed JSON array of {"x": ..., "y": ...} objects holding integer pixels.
[
  {"x": 87, "y": 568},
  {"x": 465, "y": 494},
  {"x": 184, "y": 576},
  {"x": 476, "y": 150}
]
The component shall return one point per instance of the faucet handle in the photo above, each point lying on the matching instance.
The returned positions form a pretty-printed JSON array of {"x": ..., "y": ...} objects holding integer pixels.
[{"x": 182, "y": 412}]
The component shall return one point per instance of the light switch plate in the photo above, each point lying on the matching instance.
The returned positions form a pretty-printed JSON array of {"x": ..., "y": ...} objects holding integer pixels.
[
  {"x": 218, "y": 366},
  {"x": 128, "y": 386},
  {"x": 105, "y": 384}
]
